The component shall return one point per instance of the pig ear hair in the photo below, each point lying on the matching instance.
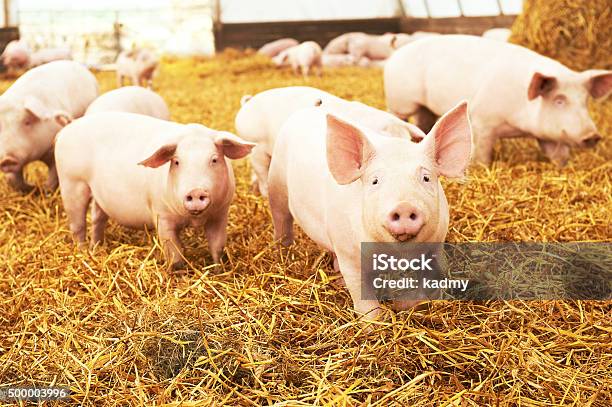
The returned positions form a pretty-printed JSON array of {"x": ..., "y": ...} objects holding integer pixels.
[
  {"x": 599, "y": 82},
  {"x": 160, "y": 157},
  {"x": 348, "y": 150},
  {"x": 540, "y": 85},
  {"x": 233, "y": 147},
  {"x": 451, "y": 137},
  {"x": 407, "y": 130},
  {"x": 35, "y": 107},
  {"x": 62, "y": 118}
]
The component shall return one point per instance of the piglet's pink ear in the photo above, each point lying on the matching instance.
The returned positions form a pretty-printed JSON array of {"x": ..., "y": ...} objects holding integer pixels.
[
  {"x": 233, "y": 146},
  {"x": 450, "y": 142},
  {"x": 35, "y": 107},
  {"x": 348, "y": 150},
  {"x": 160, "y": 157},
  {"x": 599, "y": 82},
  {"x": 540, "y": 85}
]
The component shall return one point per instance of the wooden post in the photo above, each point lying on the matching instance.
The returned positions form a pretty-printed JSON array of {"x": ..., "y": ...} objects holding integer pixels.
[
  {"x": 426, "y": 4},
  {"x": 400, "y": 4},
  {"x": 501, "y": 9},
  {"x": 7, "y": 13},
  {"x": 460, "y": 7}
]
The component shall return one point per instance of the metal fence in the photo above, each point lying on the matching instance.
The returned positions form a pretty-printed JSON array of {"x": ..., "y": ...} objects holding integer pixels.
[{"x": 96, "y": 36}]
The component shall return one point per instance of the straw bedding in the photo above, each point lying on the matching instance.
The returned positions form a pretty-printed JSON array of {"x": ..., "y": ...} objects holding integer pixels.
[{"x": 272, "y": 326}]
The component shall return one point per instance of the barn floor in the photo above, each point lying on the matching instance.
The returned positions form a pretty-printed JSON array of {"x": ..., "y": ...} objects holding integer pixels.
[{"x": 269, "y": 325}]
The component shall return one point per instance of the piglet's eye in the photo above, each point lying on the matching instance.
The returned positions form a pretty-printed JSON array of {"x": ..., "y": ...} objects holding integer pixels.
[
  {"x": 176, "y": 162},
  {"x": 426, "y": 178},
  {"x": 560, "y": 100},
  {"x": 214, "y": 159},
  {"x": 375, "y": 181}
]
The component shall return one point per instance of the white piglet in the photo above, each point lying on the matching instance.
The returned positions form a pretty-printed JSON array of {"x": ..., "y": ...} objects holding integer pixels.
[
  {"x": 261, "y": 117},
  {"x": 139, "y": 65},
  {"x": 131, "y": 99},
  {"x": 344, "y": 184},
  {"x": 34, "y": 109},
  {"x": 146, "y": 172},
  {"x": 512, "y": 91},
  {"x": 303, "y": 58}
]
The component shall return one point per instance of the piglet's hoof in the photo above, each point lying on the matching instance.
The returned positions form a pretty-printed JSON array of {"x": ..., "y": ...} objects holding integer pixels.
[{"x": 179, "y": 266}]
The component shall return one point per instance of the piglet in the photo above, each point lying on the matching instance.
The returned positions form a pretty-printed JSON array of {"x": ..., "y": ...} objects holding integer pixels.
[
  {"x": 513, "y": 91},
  {"x": 374, "y": 47},
  {"x": 16, "y": 55},
  {"x": 340, "y": 44},
  {"x": 337, "y": 60},
  {"x": 302, "y": 57},
  {"x": 498, "y": 34},
  {"x": 139, "y": 65},
  {"x": 345, "y": 183},
  {"x": 145, "y": 172},
  {"x": 261, "y": 117},
  {"x": 131, "y": 99},
  {"x": 274, "y": 48},
  {"x": 34, "y": 109},
  {"x": 46, "y": 55}
]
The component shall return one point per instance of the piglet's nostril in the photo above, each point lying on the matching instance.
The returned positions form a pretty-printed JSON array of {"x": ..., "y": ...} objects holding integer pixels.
[
  {"x": 202, "y": 197},
  {"x": 189, "y": 198},
  {"x": 395, "y": 216},
  {"x": 413, "y": 216}
]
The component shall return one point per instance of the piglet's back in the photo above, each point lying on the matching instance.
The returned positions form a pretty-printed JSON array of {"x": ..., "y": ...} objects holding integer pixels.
[{"x": 111, "y": 138}]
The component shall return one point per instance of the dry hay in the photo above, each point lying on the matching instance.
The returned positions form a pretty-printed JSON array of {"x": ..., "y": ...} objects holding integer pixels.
[{"x": 269, "y": 325}]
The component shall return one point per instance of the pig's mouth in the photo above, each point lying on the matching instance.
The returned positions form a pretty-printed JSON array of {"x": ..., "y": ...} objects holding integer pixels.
[
  {"x": 197, "y": 212},
  {"x": 404, "y": 237}
]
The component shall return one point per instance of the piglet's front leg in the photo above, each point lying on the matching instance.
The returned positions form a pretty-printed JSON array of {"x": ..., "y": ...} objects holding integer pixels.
[
  {"x": 168, "y": 232},
  {"x": 216, "y": 234}
]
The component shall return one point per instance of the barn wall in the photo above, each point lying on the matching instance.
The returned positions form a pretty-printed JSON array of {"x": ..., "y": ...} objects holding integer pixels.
[{"x": 254, "y": 35}]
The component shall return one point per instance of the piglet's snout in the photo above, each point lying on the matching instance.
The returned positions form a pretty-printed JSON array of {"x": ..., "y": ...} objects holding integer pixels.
[
  {"x": 405, "y": 221},
  {"x": 9, "y": 164},
  {"x": 196, "y": 200}
]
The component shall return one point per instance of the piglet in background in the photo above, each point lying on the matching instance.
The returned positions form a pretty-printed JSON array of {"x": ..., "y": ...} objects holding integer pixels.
[
  {"x": 274, "y": 48},
  {"x": 34, "y": 109},
  {"x": 46, "y": 55},
  {"x": 512, "y": 91},
  {"x": 345, "y": 184},
  {"x": 16, "y": 56},
  {"x": 302, "y": 58},
  {"x": 145, "y": 172},
  {"x": 498, "y": 34},
  {"x": 139, "y": 65},
  {"x": 340, "y": 44},
  {"x": 131, "y": 99}
]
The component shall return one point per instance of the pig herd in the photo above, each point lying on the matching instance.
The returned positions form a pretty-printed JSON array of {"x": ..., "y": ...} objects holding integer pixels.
[{"x": 344, "y": 171}]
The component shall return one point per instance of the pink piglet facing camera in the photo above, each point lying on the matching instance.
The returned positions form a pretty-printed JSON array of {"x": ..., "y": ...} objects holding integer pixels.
[
  {"x": 345, "y": 183},
  {"x": 145, "y": 172}
]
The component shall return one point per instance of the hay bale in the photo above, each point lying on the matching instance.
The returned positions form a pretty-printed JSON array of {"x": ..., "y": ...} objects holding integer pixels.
[{"x": 577, "y": 33}]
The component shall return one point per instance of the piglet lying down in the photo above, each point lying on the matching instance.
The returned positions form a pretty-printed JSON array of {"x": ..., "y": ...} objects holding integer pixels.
[{"x": 142, "y": 171}]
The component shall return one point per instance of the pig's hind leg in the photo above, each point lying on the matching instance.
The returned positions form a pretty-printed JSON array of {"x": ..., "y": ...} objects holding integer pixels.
[
  {"x": 52, "y": 181},
  {"x": 99, "y": 219},
  {"x": 76, "y": 196},
  {"x": 260, "y": 163},
  {"x": 279, "y": 206}
]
